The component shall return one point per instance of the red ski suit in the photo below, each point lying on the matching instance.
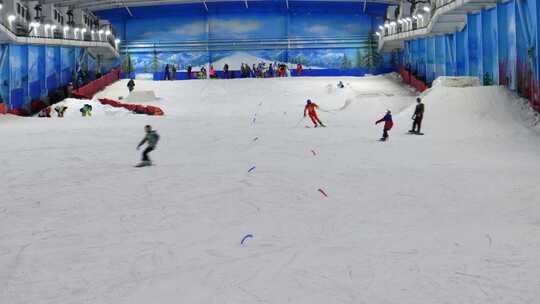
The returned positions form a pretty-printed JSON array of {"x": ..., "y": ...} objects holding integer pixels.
[{"x": 310, "y": 109}]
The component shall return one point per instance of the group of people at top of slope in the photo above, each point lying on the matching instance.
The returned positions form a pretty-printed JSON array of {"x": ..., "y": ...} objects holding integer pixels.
[
  {"x": 152, "y": 138},
  {"x": 260, "y": 70}
]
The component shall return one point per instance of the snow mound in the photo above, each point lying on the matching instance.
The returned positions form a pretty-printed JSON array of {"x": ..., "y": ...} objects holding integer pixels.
[
  {"x": 456, "y": 82},
  {"x": 141, "y": 97},
  {"x": 473, "y": 112}
]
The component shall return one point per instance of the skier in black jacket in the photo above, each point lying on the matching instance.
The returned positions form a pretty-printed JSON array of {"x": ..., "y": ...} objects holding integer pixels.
[{"x": 417, "y": 117}]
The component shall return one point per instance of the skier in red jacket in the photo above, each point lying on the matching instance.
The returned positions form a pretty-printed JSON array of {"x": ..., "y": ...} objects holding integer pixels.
[
  {"x": 388, "y": 124},
  {"x": 310, "y": 110}
]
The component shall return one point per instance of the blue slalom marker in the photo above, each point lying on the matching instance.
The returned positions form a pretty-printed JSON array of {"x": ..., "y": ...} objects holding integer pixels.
[
  {"x": 248, "y": 236},
  {"x": 251, "y": 169}
]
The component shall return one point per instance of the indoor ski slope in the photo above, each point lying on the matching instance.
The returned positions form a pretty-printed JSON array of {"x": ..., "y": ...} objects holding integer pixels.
[{"x": 449, "y": 217}]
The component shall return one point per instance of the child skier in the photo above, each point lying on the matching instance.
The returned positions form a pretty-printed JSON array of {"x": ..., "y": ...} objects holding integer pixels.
[
  {"x": 310, "y": 109},
  {"x": 86, "y": 110},
  {"x": 151, "y": 138},
  {"x": 60, "y": 110},
  {"x": 417, "y": 117},
  {"x": 388, "y": 124}
]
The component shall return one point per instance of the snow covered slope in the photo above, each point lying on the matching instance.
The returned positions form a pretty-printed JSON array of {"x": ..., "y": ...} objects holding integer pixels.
[{"x": 449, "y": 217}]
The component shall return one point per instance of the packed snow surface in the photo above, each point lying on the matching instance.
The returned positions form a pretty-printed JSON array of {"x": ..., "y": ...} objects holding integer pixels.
[{"x": 449, "y": 217}]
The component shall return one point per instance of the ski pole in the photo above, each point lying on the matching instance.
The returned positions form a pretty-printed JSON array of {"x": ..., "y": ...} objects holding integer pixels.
[{"x": 301, "y": 119}]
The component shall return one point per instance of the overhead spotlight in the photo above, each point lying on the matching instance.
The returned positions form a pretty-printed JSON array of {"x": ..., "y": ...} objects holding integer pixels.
[
  {"x": 381, "y": 27},
  {"x": 400, "y": 21},
  {"x": 414, "y": 17},
  {"x": 47, "y": 26},
  {"x": 11, "y": 18},
  {"x": 100, "y": 32},
  {"x": 83, "y": 30},
  {"x": 426, "y": 9},
  {"x": 117, "y": 41},
  {"x": 66, "y": 28},
  {"x": 393, "y": 23},
  {"x": 92, "y": 32},
  {"x": 76, "y": 30},
  {"x": 107, "y": 32},
  {"x": 1, "y": 6},
  {"x": 53, "y": 27},
  {"x": 377, "y": 33},
  {"x": 409, "y": 19},
  {"x": 420, "y": 16},
  {"x": 386, "y": 25}
]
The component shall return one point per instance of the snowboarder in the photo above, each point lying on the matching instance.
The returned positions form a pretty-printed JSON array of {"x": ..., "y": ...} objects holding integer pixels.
[
  {"x": 299, "y": 69},
  {"x": 151, "y": 139},
  {"x": 417, "y": 117},
  {"x": 388, "y": 124},
  {"x": 131, "y": 85},
  {"x": 341, "y": 85},
  {"x": 310, "y": 110}
]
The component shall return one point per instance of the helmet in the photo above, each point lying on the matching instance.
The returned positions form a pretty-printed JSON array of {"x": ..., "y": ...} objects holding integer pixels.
[{"x": 308, "y": 101}]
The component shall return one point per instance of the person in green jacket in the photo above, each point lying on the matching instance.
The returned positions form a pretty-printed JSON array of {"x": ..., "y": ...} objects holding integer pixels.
[{"x": 151, "y": 139}]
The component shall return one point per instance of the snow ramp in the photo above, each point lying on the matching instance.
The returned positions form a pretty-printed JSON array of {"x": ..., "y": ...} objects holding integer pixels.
[{"x": 468, "y": 112}]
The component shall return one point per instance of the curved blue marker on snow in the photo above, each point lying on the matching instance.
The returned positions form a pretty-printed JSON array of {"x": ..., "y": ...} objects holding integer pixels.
[
  {"x": 245, "y": 238},
  {"x": 251, "y": 169}
]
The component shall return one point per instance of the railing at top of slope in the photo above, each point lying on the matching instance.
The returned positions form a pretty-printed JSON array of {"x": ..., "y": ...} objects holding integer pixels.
[
  {"x": 399, "y": 28},
  {"x": 27, "y": 34}
]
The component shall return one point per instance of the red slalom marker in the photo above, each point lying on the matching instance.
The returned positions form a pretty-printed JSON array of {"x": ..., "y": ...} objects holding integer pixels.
[
  {"x": 314, "y": 153},
  {"x": 323, "y": 193}
]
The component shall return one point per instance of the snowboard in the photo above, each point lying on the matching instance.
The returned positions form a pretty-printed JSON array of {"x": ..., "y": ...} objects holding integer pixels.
[
  {"x": 416, "y": 133},
  {"x": 143, "y": 164}
]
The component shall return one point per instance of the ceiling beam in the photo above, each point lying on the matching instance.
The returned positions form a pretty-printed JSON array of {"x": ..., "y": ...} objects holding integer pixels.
[{"x": 109, "y": 4}]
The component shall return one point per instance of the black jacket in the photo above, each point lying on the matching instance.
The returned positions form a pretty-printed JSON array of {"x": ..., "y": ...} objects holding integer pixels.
[{"x": 419, "y": 110}]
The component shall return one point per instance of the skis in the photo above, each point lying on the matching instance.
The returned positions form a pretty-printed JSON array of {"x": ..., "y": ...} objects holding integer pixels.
[{"x": 308, "y": 127}]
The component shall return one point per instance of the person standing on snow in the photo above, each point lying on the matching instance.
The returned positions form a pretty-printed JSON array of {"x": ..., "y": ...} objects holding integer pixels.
[
  {"x": 388, "y": 124},
  {"x": 167, "y": 75},
  {"x": 417, "y": 117},
  {"x": 299, "y": 70},
  {"x": 151, "y": 139},
  {"x": 189, "y": 68},
  {"x": 174, "y": 72},
  {"x": 131, "y": 85},
  {"x": 226, "y": 71},
  {"x": 310, "y": 110}
]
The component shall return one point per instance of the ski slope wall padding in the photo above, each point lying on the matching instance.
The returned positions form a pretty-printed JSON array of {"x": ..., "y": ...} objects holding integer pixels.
[
  {"x": 327, "y": 38},
  {"x": 499, "y": 45},
  {"x": 37, "y": 73}
]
